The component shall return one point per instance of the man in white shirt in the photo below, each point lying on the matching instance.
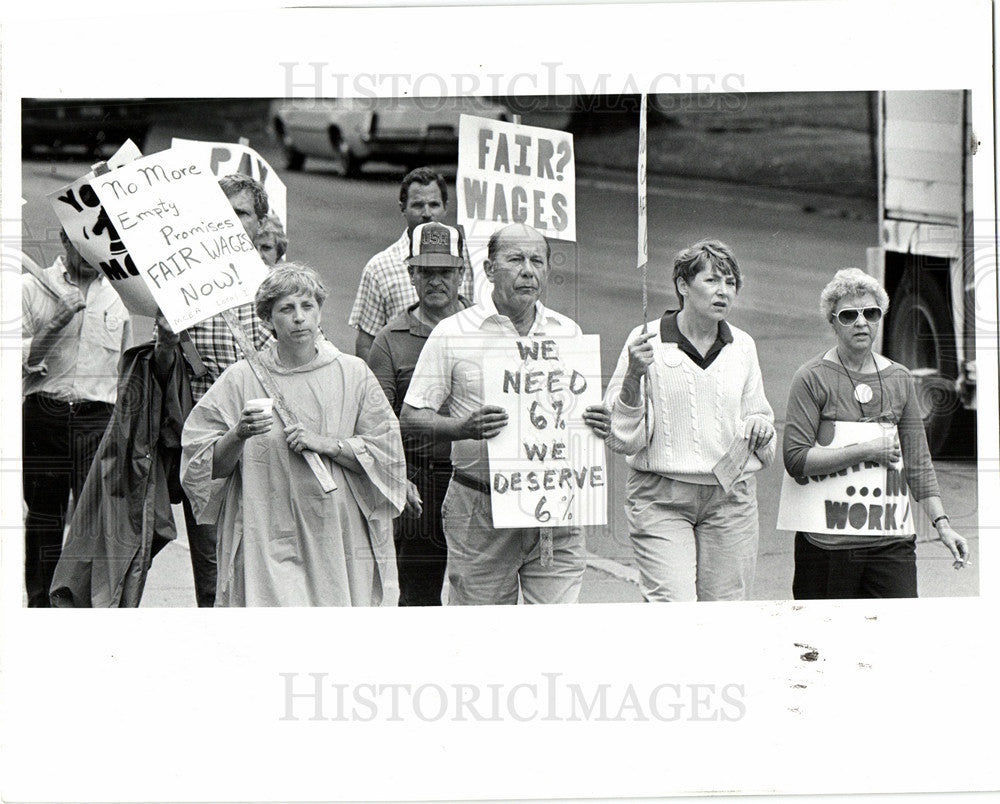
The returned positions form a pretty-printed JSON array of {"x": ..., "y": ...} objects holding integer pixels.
[
  {"x": 488, "y": 565},
  {"x": 71, "y": 345}
]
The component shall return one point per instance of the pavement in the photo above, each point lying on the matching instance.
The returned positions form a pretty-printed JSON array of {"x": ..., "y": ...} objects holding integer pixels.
[{"x": 170, "y": 585}]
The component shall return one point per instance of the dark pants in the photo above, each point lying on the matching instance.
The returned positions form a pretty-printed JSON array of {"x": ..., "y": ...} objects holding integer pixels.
[
  {"x": 859, "y": 572},
  {"x": 201, "y": 540},
  {"x": 421, "y": 549},
  {"x": 58, "y": 447}
]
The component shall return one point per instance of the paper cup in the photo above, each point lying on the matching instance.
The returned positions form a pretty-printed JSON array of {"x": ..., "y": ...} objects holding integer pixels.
[{"x": 265, "y": 403}]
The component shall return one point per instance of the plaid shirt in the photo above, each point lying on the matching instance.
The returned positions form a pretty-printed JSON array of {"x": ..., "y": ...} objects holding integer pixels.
[
  {"x": 386, "y": 291},
  {"x": 217, "y": 346}
]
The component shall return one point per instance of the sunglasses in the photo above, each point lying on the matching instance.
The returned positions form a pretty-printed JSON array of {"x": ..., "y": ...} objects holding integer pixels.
[{"x": 849, "y": 315}]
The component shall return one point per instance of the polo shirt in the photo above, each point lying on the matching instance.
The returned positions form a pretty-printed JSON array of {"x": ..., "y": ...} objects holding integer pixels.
[
  {"x": 670, "y": 333},
  {"x": 450, "y": 369}
]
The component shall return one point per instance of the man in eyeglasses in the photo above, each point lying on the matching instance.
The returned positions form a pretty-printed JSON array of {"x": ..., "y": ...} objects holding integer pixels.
[{"x": 436, "y": 270}]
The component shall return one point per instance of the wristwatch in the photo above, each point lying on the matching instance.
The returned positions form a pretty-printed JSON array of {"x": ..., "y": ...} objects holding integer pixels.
[{"x": 939, "y": 518}]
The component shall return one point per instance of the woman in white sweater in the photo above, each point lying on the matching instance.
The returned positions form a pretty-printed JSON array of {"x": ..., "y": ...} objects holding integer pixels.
[{"x": 689, "y": 412}]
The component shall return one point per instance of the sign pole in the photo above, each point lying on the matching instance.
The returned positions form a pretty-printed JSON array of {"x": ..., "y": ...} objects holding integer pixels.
[{"x": 643, "y": 244}]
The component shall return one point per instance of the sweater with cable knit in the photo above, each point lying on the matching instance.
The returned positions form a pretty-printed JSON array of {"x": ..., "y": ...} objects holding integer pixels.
[{"x": 694, "y": 414}]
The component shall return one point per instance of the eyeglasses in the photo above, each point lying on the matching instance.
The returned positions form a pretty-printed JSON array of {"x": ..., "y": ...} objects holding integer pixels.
[{"x": 849, "y": 315}]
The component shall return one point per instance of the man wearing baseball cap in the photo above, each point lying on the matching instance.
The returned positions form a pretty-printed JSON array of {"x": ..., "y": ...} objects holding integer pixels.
[
  {"x": 436, "y": 270},
  {"x": 385, "y": 289},
  {"x": 488, "y": 565}
]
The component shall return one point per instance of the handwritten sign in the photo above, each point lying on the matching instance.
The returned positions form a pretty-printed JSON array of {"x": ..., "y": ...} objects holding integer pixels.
[
  {"x": 91, "y": 231},
  {"x": 547, "y": 468},
  {"x": 509, "y": 173},
  {"x": 186, "y": 241},
  {"x": 224, "y": 158},
  {"x": 868, "y": 499}
]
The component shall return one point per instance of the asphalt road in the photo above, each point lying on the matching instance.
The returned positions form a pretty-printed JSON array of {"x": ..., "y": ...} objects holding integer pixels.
[{"x": 788, "y": 246}]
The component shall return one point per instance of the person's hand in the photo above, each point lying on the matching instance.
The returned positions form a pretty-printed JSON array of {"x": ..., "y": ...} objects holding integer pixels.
[
  {"x": 484, "y": 423},
  {"x": 598, "y": 419},
  {"x": 165, "y": 336},
  {"x": 69, "y": 304},
  {"x": 299, "y": 439},
  {"x": 958, "y": 545},
  {"x": 758, "y": 431},
  {"x": 414, "y": 505},
  {"x": 884, "y": 450},
  {"x": 640, "y": 355},
  {"x": 253, "y": 422}
]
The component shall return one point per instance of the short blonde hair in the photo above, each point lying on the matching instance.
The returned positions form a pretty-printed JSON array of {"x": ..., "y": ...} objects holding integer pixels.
[
  {"x": 284, "y": 280},
  {"x": 850, "y": 282}
]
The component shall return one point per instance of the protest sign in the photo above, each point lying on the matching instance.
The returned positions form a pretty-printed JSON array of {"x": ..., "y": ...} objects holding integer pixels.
[
  {"x": 867, "y": 499},
  {"x": 547, "y": 468},
  {"x": 223, "y": 158},
  {"x": 184, "y": 237},
  {"x": 511, "y": 173},
  {"x": 91, "y": 231}
]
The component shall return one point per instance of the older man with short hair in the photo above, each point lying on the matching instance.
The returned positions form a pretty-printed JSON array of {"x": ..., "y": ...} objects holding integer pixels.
[
  {"x": 436, "y": 270},
  {"x": 385, "y": 289},
  {"x": 488, "y": 565}
]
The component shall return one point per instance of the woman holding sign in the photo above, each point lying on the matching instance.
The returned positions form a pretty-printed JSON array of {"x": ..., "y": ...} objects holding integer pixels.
[
  {"x": 852, "y": 418},
  {"x": 282, "y": 540}
]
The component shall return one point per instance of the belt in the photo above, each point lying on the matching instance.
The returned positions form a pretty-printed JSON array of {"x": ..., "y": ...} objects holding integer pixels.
[
  {"x": 54, "y": 404},
  {"x": 471, "y": 482}
]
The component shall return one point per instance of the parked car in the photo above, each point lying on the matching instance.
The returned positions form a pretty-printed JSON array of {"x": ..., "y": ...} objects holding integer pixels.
[
  {"x": 87, "y": 123},
  {"x": 352, "y": 131}
]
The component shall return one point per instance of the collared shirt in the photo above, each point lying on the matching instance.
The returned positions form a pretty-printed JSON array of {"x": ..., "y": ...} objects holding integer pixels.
[
  {"x": 392, "y": 358},
  {"x": 217, "y": 345},
  {"x": 82, "y": 361},
  {"x": 670, "y": 333},
  {"x": 450, "y": 369},
  {"x": 385, "y": 290}
]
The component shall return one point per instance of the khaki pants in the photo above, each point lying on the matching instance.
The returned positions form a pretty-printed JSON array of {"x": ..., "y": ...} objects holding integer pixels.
[
  {"x": 692, "y": 541},
  {"x": 488, "y": 565}
]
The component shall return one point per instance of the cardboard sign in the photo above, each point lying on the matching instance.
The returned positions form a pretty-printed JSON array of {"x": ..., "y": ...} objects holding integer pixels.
[
  {"x": 185, "y": 239},
  {"x": 224, "y": 158},
  {"x": 90, "y": 229},
  {"x": 510, "y": 173},
  {"x": 868, "y": 499},
  {"x": 547, "y": 468}
]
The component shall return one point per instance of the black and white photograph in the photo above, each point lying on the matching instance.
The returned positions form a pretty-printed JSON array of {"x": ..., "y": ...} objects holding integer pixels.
[{"x": 332, "y": 312}]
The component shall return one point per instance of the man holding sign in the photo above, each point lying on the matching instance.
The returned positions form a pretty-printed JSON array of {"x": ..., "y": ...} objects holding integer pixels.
[
  {"x": 74, "y": 331},
  {"x": 489, "y": 565}
]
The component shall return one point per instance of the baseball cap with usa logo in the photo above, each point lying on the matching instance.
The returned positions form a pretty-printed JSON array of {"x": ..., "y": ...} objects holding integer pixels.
[{"x": 436, "y": 245}]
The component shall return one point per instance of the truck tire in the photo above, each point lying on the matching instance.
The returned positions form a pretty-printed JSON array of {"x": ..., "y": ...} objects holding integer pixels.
[{"x": 920, "y": 335}]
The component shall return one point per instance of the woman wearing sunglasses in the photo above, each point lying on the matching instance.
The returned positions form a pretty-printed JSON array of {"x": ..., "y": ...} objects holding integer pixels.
[{"x": 864, "y": 552}]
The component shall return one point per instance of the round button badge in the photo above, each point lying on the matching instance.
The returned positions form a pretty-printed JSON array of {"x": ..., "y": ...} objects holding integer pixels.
[{"x": 863, "y": 393}]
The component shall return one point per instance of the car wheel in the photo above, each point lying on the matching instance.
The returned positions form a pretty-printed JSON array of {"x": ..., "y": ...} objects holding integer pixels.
[
  {"x": 920, "y": 335},
  {"x": 294, "y": 158},
  {"x": 343, "y": 157}
]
